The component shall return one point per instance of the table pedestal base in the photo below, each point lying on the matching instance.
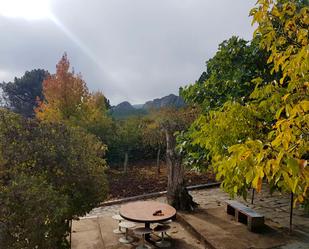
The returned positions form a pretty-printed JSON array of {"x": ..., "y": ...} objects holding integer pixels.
[
  {"x": 147, "y": 236},
  {"x": 143, "y": 247},
  {"x": 126, "y": 240},
  {"x": 163, "y": 244},
  {"x": 118, "y": 231}
]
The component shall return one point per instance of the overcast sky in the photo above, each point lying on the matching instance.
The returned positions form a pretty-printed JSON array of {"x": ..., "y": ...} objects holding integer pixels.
[{"x": 133, "y": 50}]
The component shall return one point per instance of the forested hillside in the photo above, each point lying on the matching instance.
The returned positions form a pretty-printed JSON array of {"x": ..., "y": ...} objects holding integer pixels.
[{"x": 125, "y": 109}]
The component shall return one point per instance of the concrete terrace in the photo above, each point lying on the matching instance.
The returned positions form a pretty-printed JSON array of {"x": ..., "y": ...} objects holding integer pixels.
[{"x": 208, "y": 227}]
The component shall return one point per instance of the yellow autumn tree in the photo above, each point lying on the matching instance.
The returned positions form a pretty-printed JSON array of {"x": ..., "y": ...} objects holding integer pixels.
[{"x": 280, "y": 159}]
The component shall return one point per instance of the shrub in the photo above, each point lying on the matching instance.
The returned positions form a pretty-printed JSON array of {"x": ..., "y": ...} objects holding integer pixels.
[{"x": 67, "y": 162}]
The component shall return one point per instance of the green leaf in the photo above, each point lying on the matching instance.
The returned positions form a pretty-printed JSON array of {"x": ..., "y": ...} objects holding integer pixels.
[{"x": 293, "y": 165}]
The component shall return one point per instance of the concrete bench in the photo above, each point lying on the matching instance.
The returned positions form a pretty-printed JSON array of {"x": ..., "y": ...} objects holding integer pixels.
[{"x": 245, "y": 215}]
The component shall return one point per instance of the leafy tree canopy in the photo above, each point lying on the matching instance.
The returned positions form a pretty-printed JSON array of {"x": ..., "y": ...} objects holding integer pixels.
[
  {"x": 65, "y": 161},
  {"x": 152, "y": 133},
  {"x": 228, "y": 74},
  {"x": 65, "y": 93},
  {"x": 273, "y": 139},
  {"x": 22, "y": 94},
  {"x": 129, "y": 133},
  {"x": 68, "y": 100}
]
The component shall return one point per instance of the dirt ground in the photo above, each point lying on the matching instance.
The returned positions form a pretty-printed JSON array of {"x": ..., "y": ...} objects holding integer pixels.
[{"x": 143, "y": 178}]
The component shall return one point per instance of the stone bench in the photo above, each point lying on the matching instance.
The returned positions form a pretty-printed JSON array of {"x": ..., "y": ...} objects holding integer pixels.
[{"x": 245, "y": 215}]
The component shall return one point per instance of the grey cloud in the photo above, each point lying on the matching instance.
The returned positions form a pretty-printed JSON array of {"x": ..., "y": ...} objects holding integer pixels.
[{"x": 132, "y": 50}]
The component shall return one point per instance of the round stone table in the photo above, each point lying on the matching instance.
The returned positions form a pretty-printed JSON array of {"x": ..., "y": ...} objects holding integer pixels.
[{"x": 143, "y": 212}]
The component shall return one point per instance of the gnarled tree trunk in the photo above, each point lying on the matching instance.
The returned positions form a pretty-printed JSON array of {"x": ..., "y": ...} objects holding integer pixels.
[{"x": 177, "y": 194}]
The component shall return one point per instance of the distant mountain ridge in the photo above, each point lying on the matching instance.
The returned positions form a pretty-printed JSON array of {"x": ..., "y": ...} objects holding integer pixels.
[
  {"x": 125, "y": 109},
  {"x": 168, "y": 101}
]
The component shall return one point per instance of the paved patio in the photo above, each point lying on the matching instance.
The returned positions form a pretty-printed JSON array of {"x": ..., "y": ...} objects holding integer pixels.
[
  {"x": 97, "y": 233},
  {"x": 210, "y": 224}
]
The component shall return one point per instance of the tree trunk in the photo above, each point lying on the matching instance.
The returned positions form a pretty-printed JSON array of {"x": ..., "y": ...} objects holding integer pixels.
[
  {"x": 125, "y": 163},
  {"x": 177, "y": 194},
  {"x": 158, "y": 160}
]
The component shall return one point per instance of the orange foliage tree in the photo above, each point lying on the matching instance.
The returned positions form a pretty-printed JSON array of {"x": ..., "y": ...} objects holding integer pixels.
[
  {"x": 68, "y": 100},
  {"x": 66, "y": 95}
]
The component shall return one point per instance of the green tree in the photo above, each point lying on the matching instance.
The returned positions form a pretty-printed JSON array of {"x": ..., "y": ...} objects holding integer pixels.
[
  {"x": 225, "y": 86},
  {"x": 32, "y": 214},
  {"x": 228, "y": 75},
  {"x": 96, "y": 119},
  {"x": 220, "y": 129},
  {"x": 275, "y": 145},
  {"x": 153, "y": 135},
  {"x": 22, "y": 94},
  {"x": 129, "y": 133},
  {"x": 68, "y": 161}
]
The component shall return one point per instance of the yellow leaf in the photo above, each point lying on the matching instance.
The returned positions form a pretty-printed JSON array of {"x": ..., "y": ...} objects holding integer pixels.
[
  {"x": 259, "y": 185},
  {"x": 300, "y": 198},
  {"x": 295, "y": 185},
  {"x": 278, "y": 113},
  {"x": 305, "y": 105},
  {"x": 235, "y": 189},
  {"x": 285, "y": 97}
]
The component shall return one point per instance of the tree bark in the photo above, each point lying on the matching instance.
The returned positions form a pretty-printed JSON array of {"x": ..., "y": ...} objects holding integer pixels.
[
  {"x": 125, "y": 163},
  {"x": 177, "y": 194},
  {"x": 158, "y": 160}
]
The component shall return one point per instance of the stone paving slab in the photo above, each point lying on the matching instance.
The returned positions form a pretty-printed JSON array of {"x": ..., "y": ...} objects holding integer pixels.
[
  {"x": 221, "y": 231},
  {"x": 295, "y": 245},
  {"x": 89, "y": 236},
  {"x": 275, "y": 208},
  {"x": 107, "y": 225},
  {"x": 97, "y": 233}
]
